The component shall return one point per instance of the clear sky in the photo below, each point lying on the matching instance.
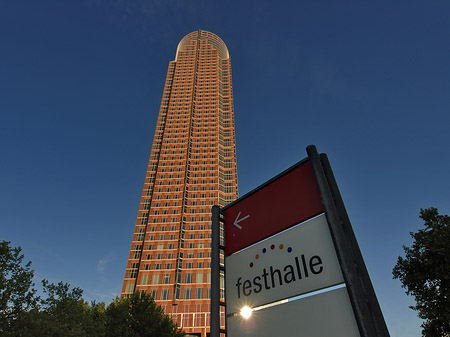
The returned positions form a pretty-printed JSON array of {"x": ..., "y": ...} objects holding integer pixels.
[{"x": 367, "y": 82}]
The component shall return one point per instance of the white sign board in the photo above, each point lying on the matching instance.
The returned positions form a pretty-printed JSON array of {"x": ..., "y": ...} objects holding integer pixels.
[
  {"x": 297, "y": 261},
  {"x": 328, "y": 314}
]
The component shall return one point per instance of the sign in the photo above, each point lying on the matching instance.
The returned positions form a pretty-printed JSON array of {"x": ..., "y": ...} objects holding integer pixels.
[
  {"x": 294, "y": 262},
  {"x": 327, "y": 314},
  {"x": 284, "y": 274},
  {"x": 288, "y": 199}
]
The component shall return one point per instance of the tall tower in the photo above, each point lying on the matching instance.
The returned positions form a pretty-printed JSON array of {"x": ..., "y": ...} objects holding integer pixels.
[{"x": 192, "y": 166}]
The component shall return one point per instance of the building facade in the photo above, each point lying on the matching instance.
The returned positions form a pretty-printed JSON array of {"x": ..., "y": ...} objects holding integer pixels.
[{"x": 192, "y": 167}]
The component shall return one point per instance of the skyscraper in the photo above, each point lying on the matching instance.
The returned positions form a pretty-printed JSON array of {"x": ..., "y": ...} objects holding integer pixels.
[{"x": 192, "y": 166}]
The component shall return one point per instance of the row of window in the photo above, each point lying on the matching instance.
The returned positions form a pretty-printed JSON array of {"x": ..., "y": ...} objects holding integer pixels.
[
  {"x": 189, "y": 245},
  {"x": 174, "y": 228},
  {"x": 191, "y": 188},
  {"x": 188, "y": 278},
  {"x": 159, "y": 266},
  {"x": 175, "y": 219},
  {"x": 172, "y": 236},
  {"x": 187, "y": 294},
  {"x": 169, "y": 256}
]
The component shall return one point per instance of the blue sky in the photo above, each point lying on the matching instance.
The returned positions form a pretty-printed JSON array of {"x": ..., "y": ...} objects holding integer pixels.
[{"x": 80, "y": 86}]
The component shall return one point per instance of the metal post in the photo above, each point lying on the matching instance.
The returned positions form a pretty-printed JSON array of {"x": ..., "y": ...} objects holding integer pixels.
[
  {"x": 343, "y": 250},
  {"x": 371, "y": 297},
  {"x": 215, "y": 273}
]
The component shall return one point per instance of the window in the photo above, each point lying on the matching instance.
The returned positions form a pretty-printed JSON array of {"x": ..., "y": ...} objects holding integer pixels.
[
  {"x": 199, "y": 293},
  {"x": 166, "y": 279},
  {"x": 187, "y": 293},
  {"x": 201, "y": 245},
  {"x": 153, "y": 293},
  {"x": 129, "y": 288},
  {"x": 157, "y": 266},
  {"x": 199, "y": 278},
  {"x": 200, "y": 265},
  {"x": 164, "y": 294},
  {"x": 144, "y": 280},
  {"x": 168, "y": 266},
  {"x": 155, "y": 279},
  {"x": 188, "y": 278},
  {"x": 189, "y": 265}
]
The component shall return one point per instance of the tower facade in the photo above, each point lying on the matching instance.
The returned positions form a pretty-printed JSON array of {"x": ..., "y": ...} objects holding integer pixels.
[{"x": 192, "y": 167}]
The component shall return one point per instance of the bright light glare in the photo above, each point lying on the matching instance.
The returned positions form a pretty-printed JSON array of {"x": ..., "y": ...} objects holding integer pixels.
[{"x": 246, "y": 312}]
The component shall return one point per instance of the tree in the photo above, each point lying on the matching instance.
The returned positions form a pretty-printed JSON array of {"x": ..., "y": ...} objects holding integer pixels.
[
  {"x": 425, "y": 272},
  {"x": 17, "y": 294},
  {"x": 63, "y": 312},
  {"x": 139, "y": 315}
]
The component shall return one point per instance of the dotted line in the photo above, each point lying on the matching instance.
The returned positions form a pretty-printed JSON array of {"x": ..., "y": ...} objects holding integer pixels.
[{"x": 272, "y": 247}]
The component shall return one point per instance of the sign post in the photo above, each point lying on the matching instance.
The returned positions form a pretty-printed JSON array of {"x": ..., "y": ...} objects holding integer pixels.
[
  {"x": 367, "y": 312},
  {"x": 215, "y": 272},
  {"x": 290, "y": 252}
]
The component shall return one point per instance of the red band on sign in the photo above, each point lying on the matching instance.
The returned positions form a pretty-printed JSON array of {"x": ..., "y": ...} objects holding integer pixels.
[{"x": 283, "y": 203}]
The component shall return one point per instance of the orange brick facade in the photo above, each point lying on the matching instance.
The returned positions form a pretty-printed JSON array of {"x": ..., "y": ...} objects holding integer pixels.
[{"x": 192, "y": 167}]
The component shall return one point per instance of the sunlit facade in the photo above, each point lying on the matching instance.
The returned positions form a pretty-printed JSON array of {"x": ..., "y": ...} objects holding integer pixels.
[{"x": 192, "y": 166}]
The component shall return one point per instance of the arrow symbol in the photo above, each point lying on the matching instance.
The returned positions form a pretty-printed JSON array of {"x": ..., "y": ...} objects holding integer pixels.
[{"x": 237, "y": 220}]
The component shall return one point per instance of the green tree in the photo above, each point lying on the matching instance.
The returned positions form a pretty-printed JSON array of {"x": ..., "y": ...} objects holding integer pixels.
[
  {"x": 63, "y": 312},
  {"x": 139, "y": 315},
  {"x": 17, "y": 294},
  {"x": 425, "y": 272}
]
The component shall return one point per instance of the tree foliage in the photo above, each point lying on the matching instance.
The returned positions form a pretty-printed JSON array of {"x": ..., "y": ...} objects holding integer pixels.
[
  {"x": 63, "y": 312},
  {"x": 17, "y": 294},
  {"x": 139, "y": 315},
  {"x": 425, "y": 272}
]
